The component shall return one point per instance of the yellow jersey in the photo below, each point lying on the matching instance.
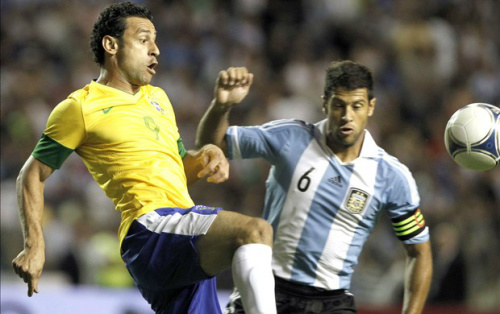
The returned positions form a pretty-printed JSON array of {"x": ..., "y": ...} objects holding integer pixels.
[{"x": 129, "y": 143}]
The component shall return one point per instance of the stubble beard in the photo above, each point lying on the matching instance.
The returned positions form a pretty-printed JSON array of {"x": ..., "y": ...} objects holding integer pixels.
[{"x": 338, "y": 142}]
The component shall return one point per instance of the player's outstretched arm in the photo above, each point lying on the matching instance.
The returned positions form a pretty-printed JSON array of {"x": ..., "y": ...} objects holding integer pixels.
[
  {"x": 231, "y": 87},
  {"x": 418, "y": 277},
  {"x": 208, "y": 162},
  {"x": 30, "y": 184}
]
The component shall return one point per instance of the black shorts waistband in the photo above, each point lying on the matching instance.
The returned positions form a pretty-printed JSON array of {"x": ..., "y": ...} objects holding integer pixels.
[{"x": 298, "y": 289}]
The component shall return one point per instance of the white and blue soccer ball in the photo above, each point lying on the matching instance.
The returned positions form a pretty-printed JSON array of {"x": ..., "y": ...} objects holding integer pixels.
[{"x": 472, "y": 136}]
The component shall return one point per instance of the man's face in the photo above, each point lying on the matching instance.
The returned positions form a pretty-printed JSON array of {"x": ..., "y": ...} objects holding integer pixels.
[
  {"x": 137, "y": 53},
  {"x": 347, "y": 113}
]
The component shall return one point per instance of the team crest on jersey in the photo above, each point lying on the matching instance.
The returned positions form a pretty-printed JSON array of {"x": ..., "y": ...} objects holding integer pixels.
[
  {"x": 357, "y": 200},
  {"x": 158, "y": 107}
]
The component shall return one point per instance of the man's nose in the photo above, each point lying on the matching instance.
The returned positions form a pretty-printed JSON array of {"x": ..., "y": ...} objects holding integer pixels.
[
  {"x": 347, "y": 114},
  {"x": 155, "y": 51}
]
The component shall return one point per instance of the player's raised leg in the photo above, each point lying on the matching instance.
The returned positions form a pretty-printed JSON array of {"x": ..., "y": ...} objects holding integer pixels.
[{"x": 245, "y": 243}]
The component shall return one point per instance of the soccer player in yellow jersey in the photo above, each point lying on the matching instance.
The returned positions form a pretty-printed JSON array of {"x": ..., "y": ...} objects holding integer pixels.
[{"x": 125, "y": 131}]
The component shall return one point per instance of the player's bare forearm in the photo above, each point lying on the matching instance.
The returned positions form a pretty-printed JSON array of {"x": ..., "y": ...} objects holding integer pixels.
[
  {"x": 418, "y": 277},
  {"x": 29, "y": 188},
  {"x": 213, "y": 125},
  {"x": 231, "y": 87},
  {"x": 28, "y": 265}
]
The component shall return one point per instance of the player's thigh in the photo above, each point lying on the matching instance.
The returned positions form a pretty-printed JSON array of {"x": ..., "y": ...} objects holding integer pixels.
[{"x": 227, "y": 232}]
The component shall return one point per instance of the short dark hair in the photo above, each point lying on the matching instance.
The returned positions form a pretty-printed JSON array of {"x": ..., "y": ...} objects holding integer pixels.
[
  {"x": 349, "y": 75},
  {"x": 112, "y": 22}
]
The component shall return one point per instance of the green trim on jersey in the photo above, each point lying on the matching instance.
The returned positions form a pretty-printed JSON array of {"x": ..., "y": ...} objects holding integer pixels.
[
  {"x": 51, "y": 152},
  {"x": 182, "y": 149}
]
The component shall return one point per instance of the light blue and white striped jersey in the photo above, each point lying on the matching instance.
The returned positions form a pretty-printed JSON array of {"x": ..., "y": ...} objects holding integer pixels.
[{"x": 322, "y": 209}]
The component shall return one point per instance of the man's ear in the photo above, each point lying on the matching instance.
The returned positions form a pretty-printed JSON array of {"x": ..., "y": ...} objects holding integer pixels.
[
  {"x": 110, "y": 44},
  {"x": 371, "y": 106},
  {"x": 324, "y": 104}
]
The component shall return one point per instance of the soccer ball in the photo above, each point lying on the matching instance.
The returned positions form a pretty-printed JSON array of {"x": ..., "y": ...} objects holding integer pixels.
[{"x": 472, "y": 137}]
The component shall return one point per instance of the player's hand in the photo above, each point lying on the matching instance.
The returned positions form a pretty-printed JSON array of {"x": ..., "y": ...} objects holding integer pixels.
[
  {"x": 232, "y": 85},
  {"x": 29, "y": 265},
  {"x": 215, "y": 166}
]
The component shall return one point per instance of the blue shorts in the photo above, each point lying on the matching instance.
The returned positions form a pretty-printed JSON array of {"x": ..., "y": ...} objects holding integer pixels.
[{"x": 160, "y": 254}]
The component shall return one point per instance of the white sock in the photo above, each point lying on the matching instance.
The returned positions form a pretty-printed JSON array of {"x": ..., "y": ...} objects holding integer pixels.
[{"x": 253, "y": 276}]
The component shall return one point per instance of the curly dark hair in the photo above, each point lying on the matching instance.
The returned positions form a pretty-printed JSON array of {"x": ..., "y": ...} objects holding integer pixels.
[
  {"x": 349, "y": 75},
  {"x": 112, "y": 22}
]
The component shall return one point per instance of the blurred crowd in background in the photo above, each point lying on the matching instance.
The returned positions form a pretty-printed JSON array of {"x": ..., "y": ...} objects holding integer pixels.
[{"x": 429, "y": 59}]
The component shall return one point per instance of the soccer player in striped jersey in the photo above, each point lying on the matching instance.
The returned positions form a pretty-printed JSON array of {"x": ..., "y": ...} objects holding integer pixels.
[
  {"x": 328, "y": 183},
  {"x": 125, "y": 131}
]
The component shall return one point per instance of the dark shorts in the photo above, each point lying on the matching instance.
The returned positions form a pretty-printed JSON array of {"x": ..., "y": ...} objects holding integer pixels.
[
  {"x": 160, "y": 254},
  {"x": 293, "y": 298}
]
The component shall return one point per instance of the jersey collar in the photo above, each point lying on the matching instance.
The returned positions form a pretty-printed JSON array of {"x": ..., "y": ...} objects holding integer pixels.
[{"x": 113, "y": 90}]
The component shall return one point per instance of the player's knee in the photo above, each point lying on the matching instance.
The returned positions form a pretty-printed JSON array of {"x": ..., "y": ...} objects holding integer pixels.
[{"x": 257, "y": 230}]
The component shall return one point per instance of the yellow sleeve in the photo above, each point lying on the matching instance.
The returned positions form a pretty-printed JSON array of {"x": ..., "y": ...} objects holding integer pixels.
[{"x": 65, "y": 131}]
